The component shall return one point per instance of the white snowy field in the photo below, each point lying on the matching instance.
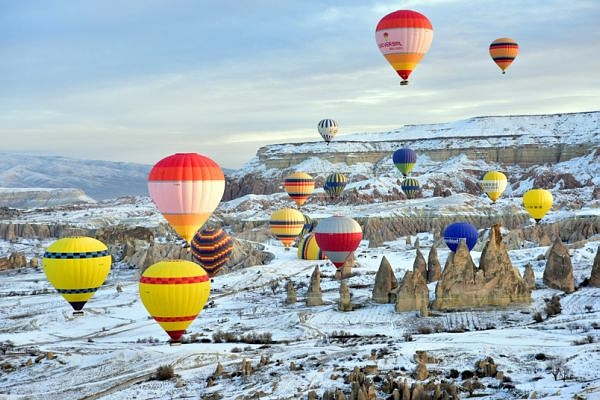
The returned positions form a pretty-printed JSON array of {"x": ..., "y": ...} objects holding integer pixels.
[{"x": 114, "y": 350}]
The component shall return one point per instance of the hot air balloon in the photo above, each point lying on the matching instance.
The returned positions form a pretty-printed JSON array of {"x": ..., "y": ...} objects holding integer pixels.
[
  {"x": 537, "y": 202},
  {"x": 404, "y": 160},
  {"x": 211, "y": 248},
  {"x": 338, "y": 237},
  {"x": 174, "y": 292},
  {"x": 334, "y": 184},
  {"x": 493, "y": 184},
  {"x": 308, "y": 249},
  {"x": 328, "y": 128},
  {"x": 186, "y": 188},
  {"x": 77, "y": 267},
  {"x": 286, "y": 224},
  {"x": 410, "y": 187},
  {"x": 299, "y": 186},
  {"x": 309, "y": 225},
  {"x": 403, "y": 37},
  {"x": 458, "y": 231},
  {"x": 503, "y": 51}
]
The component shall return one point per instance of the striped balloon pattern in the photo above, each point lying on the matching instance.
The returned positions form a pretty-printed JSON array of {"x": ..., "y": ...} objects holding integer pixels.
[
  {"x": 537, "y": 202},
  {"x": 504, "y": 51},
  {"x": 403, "y": 37},
  {"x": 174, "y": 292},
  {"x": 338, "y": 237},
  {"x": 404, "y": 159},
  {"x": 211, "y": 248},
  {"x": 327, "y": 128},
  {"x": 410, "y": 187},
  {"x": 335, "y": 184},
  {"x": 299, "y": 186},
  {"x": 186, "y": 188},
  {"x": 308, "y": 249},
  {"x": 286, "y": 224},
  {"x": 77, "y": 267},
  {"x": 493, "y": 184},
  {"x": 458, "y": 231},
  {"x": 309, "y": 225}
]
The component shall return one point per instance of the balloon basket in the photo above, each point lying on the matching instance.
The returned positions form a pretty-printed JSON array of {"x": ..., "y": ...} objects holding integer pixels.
[
  {"x": 175, "y": 343},
  {"x": 78, "y": 313},
  {"x": 403, "y": 83}
]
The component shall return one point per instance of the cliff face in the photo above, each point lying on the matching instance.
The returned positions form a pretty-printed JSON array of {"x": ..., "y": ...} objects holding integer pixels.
[{"x": 34, "y": 198}]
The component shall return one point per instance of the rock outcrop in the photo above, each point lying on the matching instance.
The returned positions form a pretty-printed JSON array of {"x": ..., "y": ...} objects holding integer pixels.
[
  {"x": 595, "y": 276},
  {"x": 529, "y": 276},
  {"x": 495, "y": 283},
  {"x": 434, "y": 269},
  {"x": 14, "y": 261},
  {"x": 291, "y": 297},
  {"x": 345, "y": 303},
  {"x": 420, "y": 265},
  {"x": 385, "y": 282},
  {"x": 314, "y": 296},
  {"x": 413, "y": 294},
  {"x": 558, "y": 273}
]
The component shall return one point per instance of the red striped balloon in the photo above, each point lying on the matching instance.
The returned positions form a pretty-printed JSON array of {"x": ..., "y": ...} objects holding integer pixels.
[
  {"x": 211, "y": 248},
  {"x": 174, "y": 292},
  {"x": 186, "y": 188},
  {"x": 299, "y": 186},
  {"x": 338, "y": 237}
]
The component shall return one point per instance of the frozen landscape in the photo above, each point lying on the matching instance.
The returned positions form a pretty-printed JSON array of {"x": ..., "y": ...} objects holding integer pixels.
[{"x": 254, "y": 344}]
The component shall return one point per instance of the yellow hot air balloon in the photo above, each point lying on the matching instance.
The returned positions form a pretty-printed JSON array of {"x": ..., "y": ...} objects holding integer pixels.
[
  {"x": 537, "y": 202},
  {"x": 286, "y": 224},
  {"x": 299, "y": 186},
  {"x": 174, "y": 292},
  {"x": 504, "y": 51},
  {"x": 186, "y": 188},
  {"x": 493, "y": 184},
  {"x": 77, "y": 267}
]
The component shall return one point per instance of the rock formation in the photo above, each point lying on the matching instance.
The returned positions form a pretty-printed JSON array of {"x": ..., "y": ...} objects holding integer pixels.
[
  {"x": 314, "y": 296},
  {"x": 420, "y": 265},
  {"x": 345, "y": 303},
  {"x": 558, "y": 273},
  {"x": 385, "y": 282},
  {"x": 345, "y": 271},
  {"x": 13, "y": 261},
  {"x": 595, "y": 277},
  {"x": 291, "y": 293},
  {"x": 434, "y": 269},
  {"x": 529, "y": 276},
  {"x": 495, "y": 283},
  {"x": 413, "y": 294}
]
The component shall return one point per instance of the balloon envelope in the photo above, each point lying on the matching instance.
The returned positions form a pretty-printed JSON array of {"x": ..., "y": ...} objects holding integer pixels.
[
  {"x": 404, "y": 160},
  {"x": 308, "y": 249},
  {"x": 299, "y": 186},
  {"x": 403, "y": 37},
  {"x": 338, "y": 237},
  {"x": 493, "y": 184},
  {"x": 211, "y": 248},
  {"x": 77, "y": 267},
  {"x": 537, "y": 202},
  {"x": 334, "y": 184},
  {"x": 327, "y": 128},
  {"x": 410, "y": 187},
  {"x": 174, "y": 292},
  {"x": 458, "y": 231},
  {"x": 186, "y": 188},
  {"x": 286, "y": 224},
  {"x": 504, "y": 51}
]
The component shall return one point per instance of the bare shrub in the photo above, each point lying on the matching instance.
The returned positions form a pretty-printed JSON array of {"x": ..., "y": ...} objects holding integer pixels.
[
  {"x": 553, "y": 306},
  {"x": 586, "y": 340},
  {"x": 537, "y": 317},
  {"x": 164, "y": 373}
]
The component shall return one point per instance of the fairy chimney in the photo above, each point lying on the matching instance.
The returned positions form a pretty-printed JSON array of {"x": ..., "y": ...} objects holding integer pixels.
[
  {"x": 314, "y": 296},
  {"x": 291, "y": 293},
  {"x": 434, "y": 269},
  {"x": 413, "y": 294},
  {"x": 558, "y": 273},
  {"x": 529, "y": 276},
  {"x": 595, "y": 277},
  {"x": 420, "y": 265},
  {"x": 345, "y": 303},
  {"x": 385, "y": 282}
]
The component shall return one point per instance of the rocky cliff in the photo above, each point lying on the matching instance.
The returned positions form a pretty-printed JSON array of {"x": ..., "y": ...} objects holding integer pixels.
[{"x": 35, "y": 198}]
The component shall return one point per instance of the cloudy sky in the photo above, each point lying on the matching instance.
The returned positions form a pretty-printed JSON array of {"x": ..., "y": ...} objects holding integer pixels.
[{"x": 137, "y": 80}]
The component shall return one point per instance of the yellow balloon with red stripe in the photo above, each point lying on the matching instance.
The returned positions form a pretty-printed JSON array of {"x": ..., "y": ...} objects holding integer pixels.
[
  {"x": 174, "y": 292},
  {"x": 403, "y": 37},
  {"x": 286, "y": 224},
  {"x": 76, "y": 267},
  {"x": 186, "y": 188},
  {"x": 299, "y": 186}
]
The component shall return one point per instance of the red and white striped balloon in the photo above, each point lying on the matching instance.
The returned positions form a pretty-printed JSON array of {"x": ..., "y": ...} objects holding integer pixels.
[{"x": 338, "y": 237}]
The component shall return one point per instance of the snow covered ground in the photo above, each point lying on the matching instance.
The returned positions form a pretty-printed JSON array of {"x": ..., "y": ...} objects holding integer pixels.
[{"x": 114, "y": 350}]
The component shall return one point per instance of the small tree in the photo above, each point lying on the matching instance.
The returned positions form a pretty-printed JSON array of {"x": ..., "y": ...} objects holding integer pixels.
[{"x": 556, "y": 367}]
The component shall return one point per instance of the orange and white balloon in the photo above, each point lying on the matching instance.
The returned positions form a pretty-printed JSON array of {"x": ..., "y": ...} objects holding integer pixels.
[{"x": 186, "y": 188}]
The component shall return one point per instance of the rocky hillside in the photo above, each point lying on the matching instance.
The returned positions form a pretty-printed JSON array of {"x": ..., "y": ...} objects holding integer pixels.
[{"x": 35, "y": 198}]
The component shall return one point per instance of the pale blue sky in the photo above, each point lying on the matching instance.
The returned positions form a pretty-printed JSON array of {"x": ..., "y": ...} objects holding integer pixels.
[{"x": 136, "y": 80}]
